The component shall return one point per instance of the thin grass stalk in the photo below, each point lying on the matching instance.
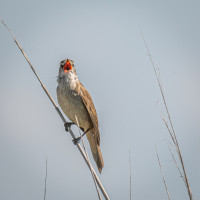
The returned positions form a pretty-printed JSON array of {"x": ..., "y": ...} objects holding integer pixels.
[
  {"x": 163, "y": 177},
  {"x": 130, "y": 174},
  {"x": 45, "y": 182},
  {"x": 174, "y": 141},
  {"x": 169, "y": 117},
  {"x": 181, "y": 175},
  {"x": 59, "y": 112}
]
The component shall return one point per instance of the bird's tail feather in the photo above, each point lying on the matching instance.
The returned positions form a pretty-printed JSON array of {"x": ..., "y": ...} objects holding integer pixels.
[{"x": 96, "y": 151}]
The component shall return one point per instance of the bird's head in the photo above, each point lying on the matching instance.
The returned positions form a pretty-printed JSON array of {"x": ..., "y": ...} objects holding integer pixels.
[{"x": 67, "y": 66}]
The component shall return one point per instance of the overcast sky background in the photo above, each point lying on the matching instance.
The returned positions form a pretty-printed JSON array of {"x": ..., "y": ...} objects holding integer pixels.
[{"x": 104, "y": 39}]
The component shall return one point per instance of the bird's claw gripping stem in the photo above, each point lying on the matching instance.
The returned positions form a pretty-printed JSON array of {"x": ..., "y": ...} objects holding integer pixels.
[
  {"x": 76, "y": 140},
  {"x": 67, "y": 125}
]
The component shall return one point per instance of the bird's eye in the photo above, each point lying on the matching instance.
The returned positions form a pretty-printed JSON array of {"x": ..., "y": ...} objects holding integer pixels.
[{"x": 62, "y": 63}]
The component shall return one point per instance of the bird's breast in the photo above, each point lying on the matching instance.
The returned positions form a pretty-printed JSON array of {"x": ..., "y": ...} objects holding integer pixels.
[{"x": 72, "y": 105}]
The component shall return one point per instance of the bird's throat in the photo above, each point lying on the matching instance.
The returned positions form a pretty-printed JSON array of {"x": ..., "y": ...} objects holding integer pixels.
[{"x": 70, "y": 80}]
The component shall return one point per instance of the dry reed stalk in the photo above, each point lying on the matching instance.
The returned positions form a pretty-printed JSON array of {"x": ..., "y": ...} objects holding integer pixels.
[
  {"x": 95, "y": 183},
  {"x": 60, "y": 114}
]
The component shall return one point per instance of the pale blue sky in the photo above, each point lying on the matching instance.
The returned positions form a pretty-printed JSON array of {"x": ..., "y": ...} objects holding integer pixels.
[{"x": 104, "y": 40}]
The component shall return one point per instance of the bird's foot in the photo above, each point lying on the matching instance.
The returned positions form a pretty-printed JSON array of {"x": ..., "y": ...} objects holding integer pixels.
[
  {"x": 67, "y": 125},
  {"x": 76, "y": 140}
]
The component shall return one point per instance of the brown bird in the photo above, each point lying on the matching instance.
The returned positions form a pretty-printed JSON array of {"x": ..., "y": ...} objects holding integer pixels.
[{"x": 75, "y": 100}]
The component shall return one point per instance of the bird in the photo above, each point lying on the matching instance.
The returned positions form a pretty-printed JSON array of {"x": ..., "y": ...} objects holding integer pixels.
[{"x": 76, "y": 102}]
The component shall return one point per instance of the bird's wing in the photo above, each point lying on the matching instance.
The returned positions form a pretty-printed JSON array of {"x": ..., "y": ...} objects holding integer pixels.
[{"x": 87, "y": 100}]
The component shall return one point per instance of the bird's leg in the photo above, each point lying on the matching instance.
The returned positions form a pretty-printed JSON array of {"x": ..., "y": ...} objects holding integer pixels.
[
  {"x": 77, "y": 140},
  {"x": 67, "y": 125}
]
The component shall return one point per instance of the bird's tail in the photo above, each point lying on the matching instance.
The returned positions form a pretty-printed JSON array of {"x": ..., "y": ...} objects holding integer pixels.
[{"x": 95, "y": 148}]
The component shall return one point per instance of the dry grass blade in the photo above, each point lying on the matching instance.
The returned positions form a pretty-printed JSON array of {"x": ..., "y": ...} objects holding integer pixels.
[
  {"x": 59, "y": 113},
  {"x": 95, "y": 183},
  {"x": 163, "y": 177},
  {"x": 173, "y": 136}
]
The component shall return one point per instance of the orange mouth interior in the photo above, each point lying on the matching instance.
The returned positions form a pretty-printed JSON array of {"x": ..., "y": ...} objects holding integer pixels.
[{"x": 67, "y": 66}]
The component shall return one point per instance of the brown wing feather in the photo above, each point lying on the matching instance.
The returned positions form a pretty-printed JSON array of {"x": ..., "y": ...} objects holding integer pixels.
[{"x": 87, "y": 100}]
